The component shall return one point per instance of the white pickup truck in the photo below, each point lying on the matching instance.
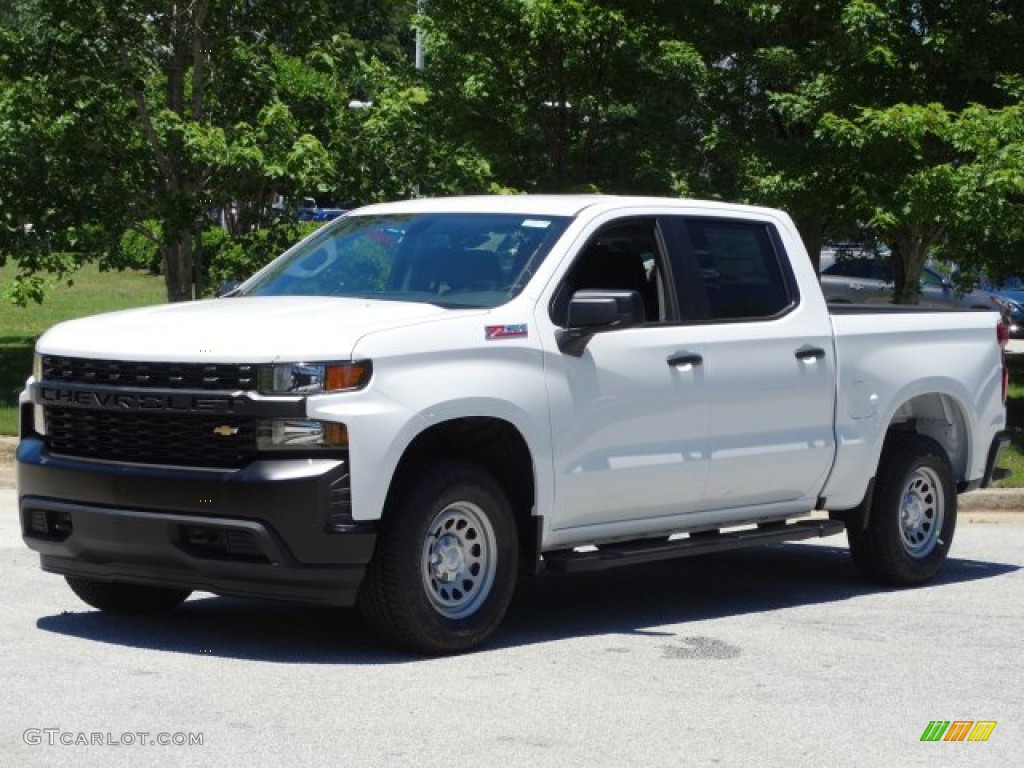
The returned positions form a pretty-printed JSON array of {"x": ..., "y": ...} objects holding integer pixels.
[{"x": 425, "y": 400}]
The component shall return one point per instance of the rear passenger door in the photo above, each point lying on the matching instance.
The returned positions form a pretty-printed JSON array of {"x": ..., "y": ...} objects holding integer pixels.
[{"x": 767, "y": 362}]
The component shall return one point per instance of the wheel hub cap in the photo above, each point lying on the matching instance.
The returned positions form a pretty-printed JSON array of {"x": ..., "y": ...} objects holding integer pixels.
[
  {"x": 922, "y": 511},
  {"x": 459, "y": 560},
  {"x": 447, "y": 560}
]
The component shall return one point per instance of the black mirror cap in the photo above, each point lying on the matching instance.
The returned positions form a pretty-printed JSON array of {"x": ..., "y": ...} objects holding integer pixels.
[{"x": 593, "y": 309}]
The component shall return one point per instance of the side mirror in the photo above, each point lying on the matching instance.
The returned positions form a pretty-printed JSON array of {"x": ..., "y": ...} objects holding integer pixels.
[{"x": 595, "y": 311}]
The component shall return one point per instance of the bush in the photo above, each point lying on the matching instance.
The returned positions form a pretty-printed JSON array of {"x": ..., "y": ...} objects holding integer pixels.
[{"x": 137, "y": 251}]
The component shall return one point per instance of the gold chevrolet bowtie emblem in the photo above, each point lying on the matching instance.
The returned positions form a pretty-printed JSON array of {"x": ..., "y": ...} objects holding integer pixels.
[{"x": 225, "y": 430}]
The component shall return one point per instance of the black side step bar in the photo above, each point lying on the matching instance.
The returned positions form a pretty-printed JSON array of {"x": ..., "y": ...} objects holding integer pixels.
[{"x": 653, "y": 550}]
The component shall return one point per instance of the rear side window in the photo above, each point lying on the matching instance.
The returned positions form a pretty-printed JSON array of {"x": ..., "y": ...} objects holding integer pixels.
[{"x": 738, "y": 263}]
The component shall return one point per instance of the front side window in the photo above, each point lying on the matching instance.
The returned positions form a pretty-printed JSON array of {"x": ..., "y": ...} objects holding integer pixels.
[
  {"x": 624, "y": 255},
  {"x": 449, "y": 259}
]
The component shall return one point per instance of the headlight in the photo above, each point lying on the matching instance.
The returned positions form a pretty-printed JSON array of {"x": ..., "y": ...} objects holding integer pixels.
[
  {"x": 284, "y": 434},
  {"x": 314, "y": 378},
  {"x": 38, "y": 420}
]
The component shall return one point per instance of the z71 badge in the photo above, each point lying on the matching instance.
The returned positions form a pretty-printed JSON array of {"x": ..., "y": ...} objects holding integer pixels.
[{"x": 495, "y": 332}]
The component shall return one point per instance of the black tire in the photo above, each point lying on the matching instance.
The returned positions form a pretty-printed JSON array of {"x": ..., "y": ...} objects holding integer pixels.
[
  {"x": 446, "y": 560},
  {"x": 126, "y": 599},
  {"x": 912, "y": 516}
]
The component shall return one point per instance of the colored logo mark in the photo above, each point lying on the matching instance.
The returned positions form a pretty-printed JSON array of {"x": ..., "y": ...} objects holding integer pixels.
[
  {"x": 492, "y": 332},
  {"x": 958, "y": 730}
]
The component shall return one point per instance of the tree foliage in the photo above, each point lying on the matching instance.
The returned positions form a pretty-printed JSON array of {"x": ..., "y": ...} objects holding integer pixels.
[
  {"x": 566, "y": 95},
  {"x": 889, "y": 119},
  {"x": 116, "y": 114}
]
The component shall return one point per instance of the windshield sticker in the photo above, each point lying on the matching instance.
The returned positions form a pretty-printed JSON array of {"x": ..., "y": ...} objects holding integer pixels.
[
  {"x": 536, "y": 223},
  {"x": 494, "y": 332}
]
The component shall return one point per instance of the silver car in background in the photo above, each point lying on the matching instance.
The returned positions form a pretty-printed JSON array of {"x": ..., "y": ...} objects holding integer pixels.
[{"x": 862, "y": 277}]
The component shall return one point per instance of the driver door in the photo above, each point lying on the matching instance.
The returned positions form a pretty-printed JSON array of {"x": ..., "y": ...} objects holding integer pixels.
[{"x": 629, "y": 415}]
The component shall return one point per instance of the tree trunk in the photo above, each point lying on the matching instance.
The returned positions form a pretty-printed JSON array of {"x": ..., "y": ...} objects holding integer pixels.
[
  {"x": 177, "y": 253},
  {"x": 198, "y": 278},
  {"x": 812, "y": 232},
  {"x": 909, "y": 253}
]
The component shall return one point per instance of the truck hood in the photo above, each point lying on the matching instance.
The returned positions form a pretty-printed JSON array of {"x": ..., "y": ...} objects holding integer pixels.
[{"x": 236, "y": 330}]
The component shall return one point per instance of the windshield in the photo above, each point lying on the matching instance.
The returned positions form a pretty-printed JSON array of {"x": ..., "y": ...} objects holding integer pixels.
[{"x": 448, "y": 259}]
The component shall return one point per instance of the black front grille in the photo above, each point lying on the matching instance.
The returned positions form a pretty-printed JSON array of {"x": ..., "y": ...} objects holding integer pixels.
[
  {"x": 147, "y": 438},
  {"x": 79, "y": 370}
]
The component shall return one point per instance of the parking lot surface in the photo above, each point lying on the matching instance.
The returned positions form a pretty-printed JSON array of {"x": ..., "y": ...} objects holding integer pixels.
[{"x": 775, "y": 657}]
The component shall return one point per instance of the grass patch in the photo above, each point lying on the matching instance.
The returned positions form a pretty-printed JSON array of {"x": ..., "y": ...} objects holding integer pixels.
[
  {"x": 1013, "y": 457},
  {"x": 93, "y": 292}
]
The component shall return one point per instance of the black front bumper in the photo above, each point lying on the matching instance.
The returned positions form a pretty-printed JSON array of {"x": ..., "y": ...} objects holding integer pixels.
[{"x": 274, "y": 528}]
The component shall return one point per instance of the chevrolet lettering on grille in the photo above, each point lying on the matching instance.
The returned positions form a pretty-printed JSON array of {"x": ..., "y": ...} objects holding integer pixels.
[{"x": 134, "y": 401}]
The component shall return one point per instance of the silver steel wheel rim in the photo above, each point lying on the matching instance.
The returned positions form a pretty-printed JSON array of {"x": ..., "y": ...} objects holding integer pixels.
[
  {"x": 922, "y": 510},
  {"x": 459, "y": 560}
]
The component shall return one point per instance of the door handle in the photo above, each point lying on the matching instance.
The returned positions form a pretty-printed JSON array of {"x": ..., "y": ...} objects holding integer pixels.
[
  {"x": 810, "y": 353},
  {"x": 680, "y": 359}
]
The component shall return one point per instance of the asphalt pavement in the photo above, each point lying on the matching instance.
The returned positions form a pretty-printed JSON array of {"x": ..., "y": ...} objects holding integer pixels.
[{"x": 780, "y": 656}]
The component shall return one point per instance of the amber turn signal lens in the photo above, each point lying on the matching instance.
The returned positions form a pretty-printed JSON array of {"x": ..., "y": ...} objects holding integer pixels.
[
  {"x": 348, "y": 376},
  {"x": 335, "y": 435}
]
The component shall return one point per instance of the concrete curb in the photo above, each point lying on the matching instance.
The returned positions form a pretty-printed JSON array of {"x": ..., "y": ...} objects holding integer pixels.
[
  {"x": 989, "y": 500},
  {"x": 993, "y": 500},
  {"x": 7, "y": 446}
]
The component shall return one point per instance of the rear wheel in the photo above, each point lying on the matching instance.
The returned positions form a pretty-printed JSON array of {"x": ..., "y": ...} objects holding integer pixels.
[
  {"x": 117, "y": 597},
  {"x": 913, "y": 514},
  {"x": 445, "y": 566}
]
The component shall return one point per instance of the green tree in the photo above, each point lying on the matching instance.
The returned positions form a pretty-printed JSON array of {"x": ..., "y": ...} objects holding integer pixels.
[
  {"x": 562, "y": 95},
  {"x": 896, "y": 116},
  {"x": 113, "y": 115},
  {"x": 394, "y": 143},
  {"x": 931, "y": 136}
]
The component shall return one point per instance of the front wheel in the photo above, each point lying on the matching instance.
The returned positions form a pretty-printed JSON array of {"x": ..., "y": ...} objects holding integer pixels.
[
  {"x": 913, "y": 514},
  {"x": 445, "y": 566},
  {"x": 128, "y": 599}
]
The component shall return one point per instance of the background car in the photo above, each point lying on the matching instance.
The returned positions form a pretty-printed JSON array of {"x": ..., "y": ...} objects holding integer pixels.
[
  {"x": 1014, "y": 316},
  {"x": 1011, "y": 291},
  {"x": 1008, "y": 287},
  {"x": 862, "y": 277}
]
